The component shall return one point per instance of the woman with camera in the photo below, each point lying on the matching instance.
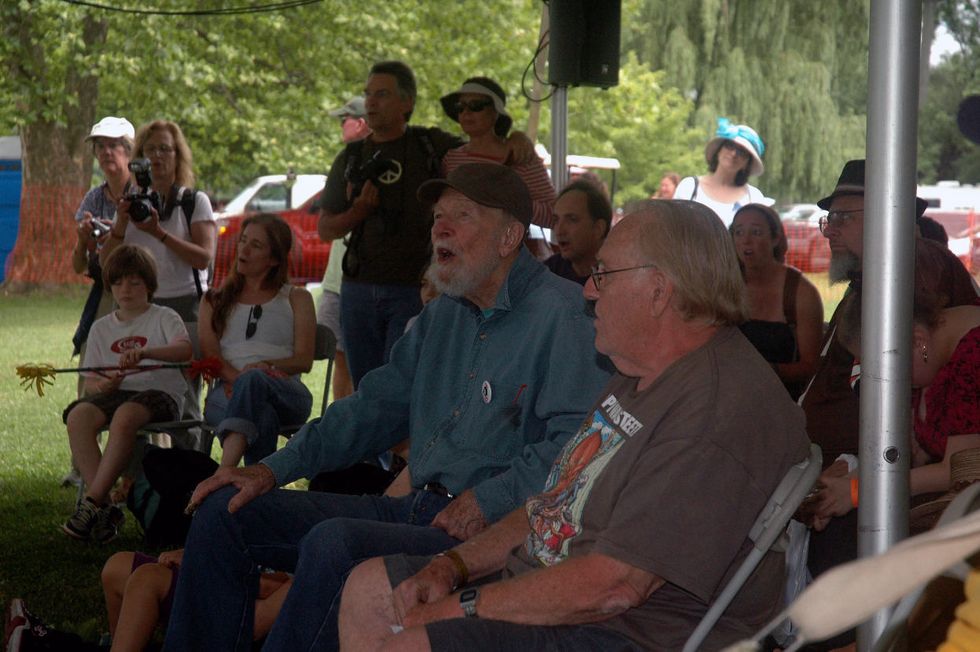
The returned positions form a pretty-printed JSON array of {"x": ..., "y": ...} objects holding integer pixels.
[
  {"x": 169, "y": 218},
  {"x": 112, "y": 146}
]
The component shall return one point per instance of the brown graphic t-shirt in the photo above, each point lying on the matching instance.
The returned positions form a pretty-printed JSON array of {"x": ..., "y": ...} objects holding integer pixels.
[{"x": 670, "y": 480}]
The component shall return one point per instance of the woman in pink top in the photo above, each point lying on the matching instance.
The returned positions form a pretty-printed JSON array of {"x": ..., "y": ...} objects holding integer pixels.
[{"x": 479, "y": 108}]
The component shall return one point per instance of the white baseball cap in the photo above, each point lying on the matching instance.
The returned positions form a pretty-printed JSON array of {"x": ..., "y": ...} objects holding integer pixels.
[{"x": 111, "y": 127}]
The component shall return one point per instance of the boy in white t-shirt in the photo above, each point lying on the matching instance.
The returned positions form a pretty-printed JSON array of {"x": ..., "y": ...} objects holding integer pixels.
[{"x": 127, "y": 399}]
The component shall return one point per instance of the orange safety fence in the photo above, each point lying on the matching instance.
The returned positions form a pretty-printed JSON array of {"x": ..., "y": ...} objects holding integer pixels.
[{"x": 45, "y": 237}]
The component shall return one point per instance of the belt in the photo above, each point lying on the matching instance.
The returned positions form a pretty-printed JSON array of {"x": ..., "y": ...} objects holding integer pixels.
[{"x": 439, "y": 489}]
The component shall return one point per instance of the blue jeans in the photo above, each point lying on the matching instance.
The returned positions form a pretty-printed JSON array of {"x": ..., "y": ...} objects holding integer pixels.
[
  {"x": 318, "y": 536},
  {"x": 260, "y": 405},
  {"x": 372, "y": 318}
]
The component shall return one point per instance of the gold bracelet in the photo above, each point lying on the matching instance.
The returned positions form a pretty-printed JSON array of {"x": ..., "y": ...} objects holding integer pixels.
[
  {"x": 164, "y": 238},
  {"x": 460, "y": 565}
]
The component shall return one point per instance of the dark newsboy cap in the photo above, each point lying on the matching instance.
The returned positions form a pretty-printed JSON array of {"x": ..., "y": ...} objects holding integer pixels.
[{"x": 488, "y": 184}]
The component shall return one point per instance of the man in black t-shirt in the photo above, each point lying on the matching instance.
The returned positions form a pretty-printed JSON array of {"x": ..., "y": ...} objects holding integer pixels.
[{"x": 388, "y": 227}]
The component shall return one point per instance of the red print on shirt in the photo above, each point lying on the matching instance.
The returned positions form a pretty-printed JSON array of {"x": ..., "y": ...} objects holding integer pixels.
[{"x": 128, "y": 343}]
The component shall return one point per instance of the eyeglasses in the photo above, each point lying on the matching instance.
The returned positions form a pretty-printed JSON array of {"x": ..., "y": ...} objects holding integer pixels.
[
  {"x": 103, "y": 143},
  {"x": 836, "y": 219},
  {"x": 732, "y": 145},
  {"x": 254, "y": 315},
  {"x": 473, "y": 106},
  {"x": 598, "y": 274},
  {"x": 162, "y": 150}
]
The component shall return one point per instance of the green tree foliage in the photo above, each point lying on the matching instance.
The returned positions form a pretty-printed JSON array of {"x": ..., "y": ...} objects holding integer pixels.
[
  {"x": 641, "y": 122},
  {"x": 795, "y": 70},
  {"x": 944, "y": 154}
]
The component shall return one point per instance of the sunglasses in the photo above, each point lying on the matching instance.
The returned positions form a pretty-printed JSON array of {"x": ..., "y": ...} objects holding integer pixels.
[
  {"x": 254, "y": 315},
  {"x": 473, "y": 106}
]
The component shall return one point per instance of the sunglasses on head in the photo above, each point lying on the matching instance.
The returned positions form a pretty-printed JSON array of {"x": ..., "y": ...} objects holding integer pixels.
[
  {"x": 473, "y": 106},
  {"x": 254, "y": 315}
]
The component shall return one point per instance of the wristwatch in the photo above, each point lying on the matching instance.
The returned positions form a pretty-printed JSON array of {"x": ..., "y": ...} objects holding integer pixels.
[{"x": 467, "y": 600}]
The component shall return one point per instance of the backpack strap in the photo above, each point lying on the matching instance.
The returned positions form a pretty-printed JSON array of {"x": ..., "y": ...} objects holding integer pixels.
[
  {"x": 694, "y": 193},
  {"x": 433, "y": 158},
  {"x": 187, "y": 199}
]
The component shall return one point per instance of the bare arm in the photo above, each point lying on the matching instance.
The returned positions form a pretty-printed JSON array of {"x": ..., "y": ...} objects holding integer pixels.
[
  {"x": 180, "y": 351},
  {"x": 809, "y": 332},
  {"x": 199, "y": 250},
  {"x": 591, "y": 588},
  {"x": 79, "y": 255},
  {"x": 935, "y": 477},
  {"x": 834, "y": 499},
  {"x": 304, "y": 335},
  {"x": 482, "y": 555},
  {"x": 210, "y": 344}
]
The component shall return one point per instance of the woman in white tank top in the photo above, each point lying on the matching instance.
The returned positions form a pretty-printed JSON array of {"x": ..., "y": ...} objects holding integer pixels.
[{"x": 262, "y": 330}]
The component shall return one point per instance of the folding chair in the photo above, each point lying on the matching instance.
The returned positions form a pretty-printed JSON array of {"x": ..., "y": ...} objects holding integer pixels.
[
  {"x": 324, "y": 348},
  {"x": 966, "y": 501},
  {"x": 769, "y": 526}
]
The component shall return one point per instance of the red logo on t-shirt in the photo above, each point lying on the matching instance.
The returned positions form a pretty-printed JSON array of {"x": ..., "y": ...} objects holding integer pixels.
[{"x": 128, "y": 343}]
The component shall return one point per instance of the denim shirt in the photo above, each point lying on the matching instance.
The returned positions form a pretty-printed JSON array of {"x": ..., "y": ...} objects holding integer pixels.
[{"x": 488, "y": 398}]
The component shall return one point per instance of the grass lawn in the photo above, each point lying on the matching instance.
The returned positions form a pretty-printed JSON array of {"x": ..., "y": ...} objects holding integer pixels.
[{"x": 59, "y": 577}]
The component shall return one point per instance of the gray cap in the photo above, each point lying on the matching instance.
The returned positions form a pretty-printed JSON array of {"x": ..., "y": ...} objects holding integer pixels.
[
  {"x": 488, "y": 184},
  {"x": 353, "y": 109}
]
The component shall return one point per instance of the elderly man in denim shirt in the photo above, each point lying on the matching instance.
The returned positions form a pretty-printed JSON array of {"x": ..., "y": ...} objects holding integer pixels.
[{"x": 489, "y": 383}]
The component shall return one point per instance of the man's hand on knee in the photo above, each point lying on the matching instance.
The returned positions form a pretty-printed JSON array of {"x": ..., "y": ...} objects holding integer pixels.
[
  {"x": 251, "y": 481},
  {"x": 461, "y": 518},
  {"x": 428, "y": 586}
]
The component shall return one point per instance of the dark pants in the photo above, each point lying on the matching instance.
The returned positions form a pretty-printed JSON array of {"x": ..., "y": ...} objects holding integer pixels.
[
  {"x": 372, "y": 318},
  {"x": 319, "y": 536}
]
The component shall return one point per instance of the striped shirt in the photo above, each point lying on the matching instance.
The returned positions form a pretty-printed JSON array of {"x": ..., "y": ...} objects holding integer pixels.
[{"x": 533, "y": 173}]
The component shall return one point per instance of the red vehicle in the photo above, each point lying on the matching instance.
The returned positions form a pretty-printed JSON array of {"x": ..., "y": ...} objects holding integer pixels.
[
  {"x": 963, "y": 229},
  {"x": 308, "y": 259},
  {"x": 808, "y": 250}
]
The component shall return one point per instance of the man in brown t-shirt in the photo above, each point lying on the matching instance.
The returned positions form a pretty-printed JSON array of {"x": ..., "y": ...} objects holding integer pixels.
[{"x": 646, "y": 511}]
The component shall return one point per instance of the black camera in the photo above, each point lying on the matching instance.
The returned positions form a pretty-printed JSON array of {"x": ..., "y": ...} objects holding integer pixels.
[
  {"x": 144, "y": 198},
  {"x": 370, "y": 170}
]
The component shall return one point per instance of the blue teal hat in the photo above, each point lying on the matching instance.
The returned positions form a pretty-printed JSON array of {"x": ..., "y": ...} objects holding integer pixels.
[{"x": 746, "y": 138}]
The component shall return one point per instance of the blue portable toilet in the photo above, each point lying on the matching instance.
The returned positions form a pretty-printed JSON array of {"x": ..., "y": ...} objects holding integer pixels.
[{"x": 10, "y": 185}]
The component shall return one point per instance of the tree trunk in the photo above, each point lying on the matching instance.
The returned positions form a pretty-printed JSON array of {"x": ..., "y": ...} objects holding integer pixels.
[{"x": 57, "y": 171}]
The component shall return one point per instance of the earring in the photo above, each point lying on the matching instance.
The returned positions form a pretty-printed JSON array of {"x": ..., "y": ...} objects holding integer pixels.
[{"x": 925, "y": 353}]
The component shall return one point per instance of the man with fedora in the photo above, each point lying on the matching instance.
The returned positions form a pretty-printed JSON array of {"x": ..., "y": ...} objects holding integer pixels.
[
  {"x": 830, "y": 404},
  {"x": 489, "y": 383},
  {"x": 647, "y": 509}
]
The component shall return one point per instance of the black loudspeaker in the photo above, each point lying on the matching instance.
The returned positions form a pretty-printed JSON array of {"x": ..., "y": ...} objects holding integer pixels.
[{"x": 584, "y": 42}]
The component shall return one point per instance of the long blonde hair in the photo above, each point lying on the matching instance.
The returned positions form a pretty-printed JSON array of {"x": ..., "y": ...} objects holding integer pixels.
[{"x": 184, "y": 172}]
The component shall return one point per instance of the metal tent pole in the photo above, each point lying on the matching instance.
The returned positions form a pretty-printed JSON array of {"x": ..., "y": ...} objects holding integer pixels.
[
  {"x": 559, "y": 137},
  {"x": 889, "y": 240}
]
